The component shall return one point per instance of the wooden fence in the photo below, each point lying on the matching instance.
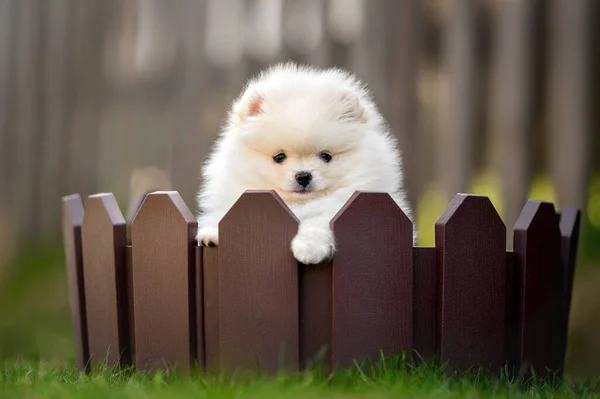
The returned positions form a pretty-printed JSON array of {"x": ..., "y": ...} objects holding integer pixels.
[{"x": 157, "y": 299}]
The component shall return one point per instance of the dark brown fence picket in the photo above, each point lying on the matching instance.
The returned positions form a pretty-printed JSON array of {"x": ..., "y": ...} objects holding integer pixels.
[
  {"x": 537, "y": 256},
  {"x": 103, "y": 241},
  {"x": 425, "y": 302},
  {"x": 72, "y": 217},
  {"x": 163, "y": 238},
  {"x": 315, "y": 314},
  {"x": 258, "y": 285},
  {"x": 130, "y": 314},
  {"x": 210, "y": 275},
  {"x": 570, "y": 219},
  {"x": 511, "y": 345},
  {"x": 471, "y": 254},
  {"x": 199, "y": 301},
  {"x": 372, "y": 280}
]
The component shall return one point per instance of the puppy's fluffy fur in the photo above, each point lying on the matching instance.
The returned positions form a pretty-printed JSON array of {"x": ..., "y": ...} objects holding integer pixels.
[{"x": 326, "y": 125}]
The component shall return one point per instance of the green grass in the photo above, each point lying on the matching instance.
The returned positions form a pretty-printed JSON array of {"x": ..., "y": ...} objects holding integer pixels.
[{"x": 393, "y": 380}]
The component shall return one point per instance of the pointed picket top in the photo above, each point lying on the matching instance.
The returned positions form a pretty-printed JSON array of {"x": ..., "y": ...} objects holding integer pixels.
[
  {"x": 73, "y": 211},
  {"x": 104, "y": 240},
  {"x": 104, "y": 205},
  {"x": 258, "y": 286},
  {"x": 569, "y": 224},
  {"x": 72, "y": 217},
  {"x": 164, "y": 200},
  {"x": 537, "y": 255},
  {"x": 374, "y": 260},
  {"x": 164, "y": 295},
  {"x": 471, "y": 247},
  {"x": 259, "y": 202},
  {"x": 534, "y": 213},
  {"x": 362, "y": 201},
  {"x": 570, "y": 219},
  {"x": 465, "y": 203}
]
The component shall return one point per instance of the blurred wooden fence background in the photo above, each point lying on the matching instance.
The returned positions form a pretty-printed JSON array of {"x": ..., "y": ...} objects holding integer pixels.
[{"x": 127, "y": 95}]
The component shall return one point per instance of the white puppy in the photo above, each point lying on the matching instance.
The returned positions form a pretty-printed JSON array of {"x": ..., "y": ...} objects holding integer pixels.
[{"x": 315, "y": 137}]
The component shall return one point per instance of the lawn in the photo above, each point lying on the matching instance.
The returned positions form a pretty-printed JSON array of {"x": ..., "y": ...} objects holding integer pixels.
[{"x": 41, "y": 380}]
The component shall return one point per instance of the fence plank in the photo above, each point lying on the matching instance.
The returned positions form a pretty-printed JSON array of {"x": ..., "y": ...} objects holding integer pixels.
[
  {"x": 315, "y": 315},
  {"x": 72, "y": 215},
  {"x": 372, "y": 280},
  {"x": 512, "y": 313},
  {"x": 570, "y": 219},
  {"x": 258, "y": 285},
  {"x": 130, "y": 314},
  {"x": 210, "y": 270},
  {"x": 471, "y": 252},
  {"x": 199, "y": 306},
  {"x": 425, "y": 302},
  {"x": 537, "y": 253},
  {"x": 103, "y": 243},
  {"x": 163, "y": 233}
]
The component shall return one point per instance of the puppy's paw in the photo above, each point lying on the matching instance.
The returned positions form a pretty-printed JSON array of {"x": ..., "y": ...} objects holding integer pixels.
[
  {"x": 208, "y": 236},
  {"x": 313, "y": 245}
]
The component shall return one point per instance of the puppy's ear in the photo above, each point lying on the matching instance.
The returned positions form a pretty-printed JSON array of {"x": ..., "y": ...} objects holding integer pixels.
[
  {"x": 251, "y": 104},
  {"x": 352, "y": 108}
]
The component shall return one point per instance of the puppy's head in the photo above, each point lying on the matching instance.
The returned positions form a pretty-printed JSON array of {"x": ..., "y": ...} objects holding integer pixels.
[{"x": 300, "y": 130}]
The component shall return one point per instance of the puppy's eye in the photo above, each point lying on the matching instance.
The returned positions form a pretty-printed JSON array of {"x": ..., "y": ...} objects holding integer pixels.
[
  {"x": 279, "y": 158},
  {"x": 325, "y": 156}
]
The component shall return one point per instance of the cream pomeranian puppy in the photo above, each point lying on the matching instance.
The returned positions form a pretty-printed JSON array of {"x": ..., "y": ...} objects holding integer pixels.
[{"x": 315, "y": 137}]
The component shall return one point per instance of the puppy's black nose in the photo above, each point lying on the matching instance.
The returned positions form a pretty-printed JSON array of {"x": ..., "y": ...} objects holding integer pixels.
[{"x": 303, "y": 178}]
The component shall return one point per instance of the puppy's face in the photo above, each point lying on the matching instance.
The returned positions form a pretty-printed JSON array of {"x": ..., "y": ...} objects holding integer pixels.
[{"x": 302, "y": 148}]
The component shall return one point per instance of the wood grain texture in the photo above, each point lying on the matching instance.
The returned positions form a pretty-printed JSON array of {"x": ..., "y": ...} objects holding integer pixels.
[
  {"x": 471, "y": 254},
  {"x": 537, "y": 255},
  {"x": 199, "y": 316},
  {"x": 258, "y": 286},
  {"x": 103, "y": 242},
  {"x": 372, "y": 280},
  {"x": 512, "y": 314},
  {"x": 72, "y": 217},
  {"x": 569, "y": 224},
  {"x": 210, "y": 270},
  {"x": 315, "y": 315},
  {"x": 425, "y": 302},
  {"x": 130, "y": 313},
  {"x": 163, "y": 243}
]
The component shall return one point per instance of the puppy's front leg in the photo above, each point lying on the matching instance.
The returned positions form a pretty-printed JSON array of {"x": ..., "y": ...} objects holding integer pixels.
[
  {"x": 314, "y": 242},
  {"x": 208, "y": 229}
]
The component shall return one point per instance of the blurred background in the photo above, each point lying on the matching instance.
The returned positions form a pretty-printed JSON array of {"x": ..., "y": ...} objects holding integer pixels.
[{"x": 495, "y": 97}]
